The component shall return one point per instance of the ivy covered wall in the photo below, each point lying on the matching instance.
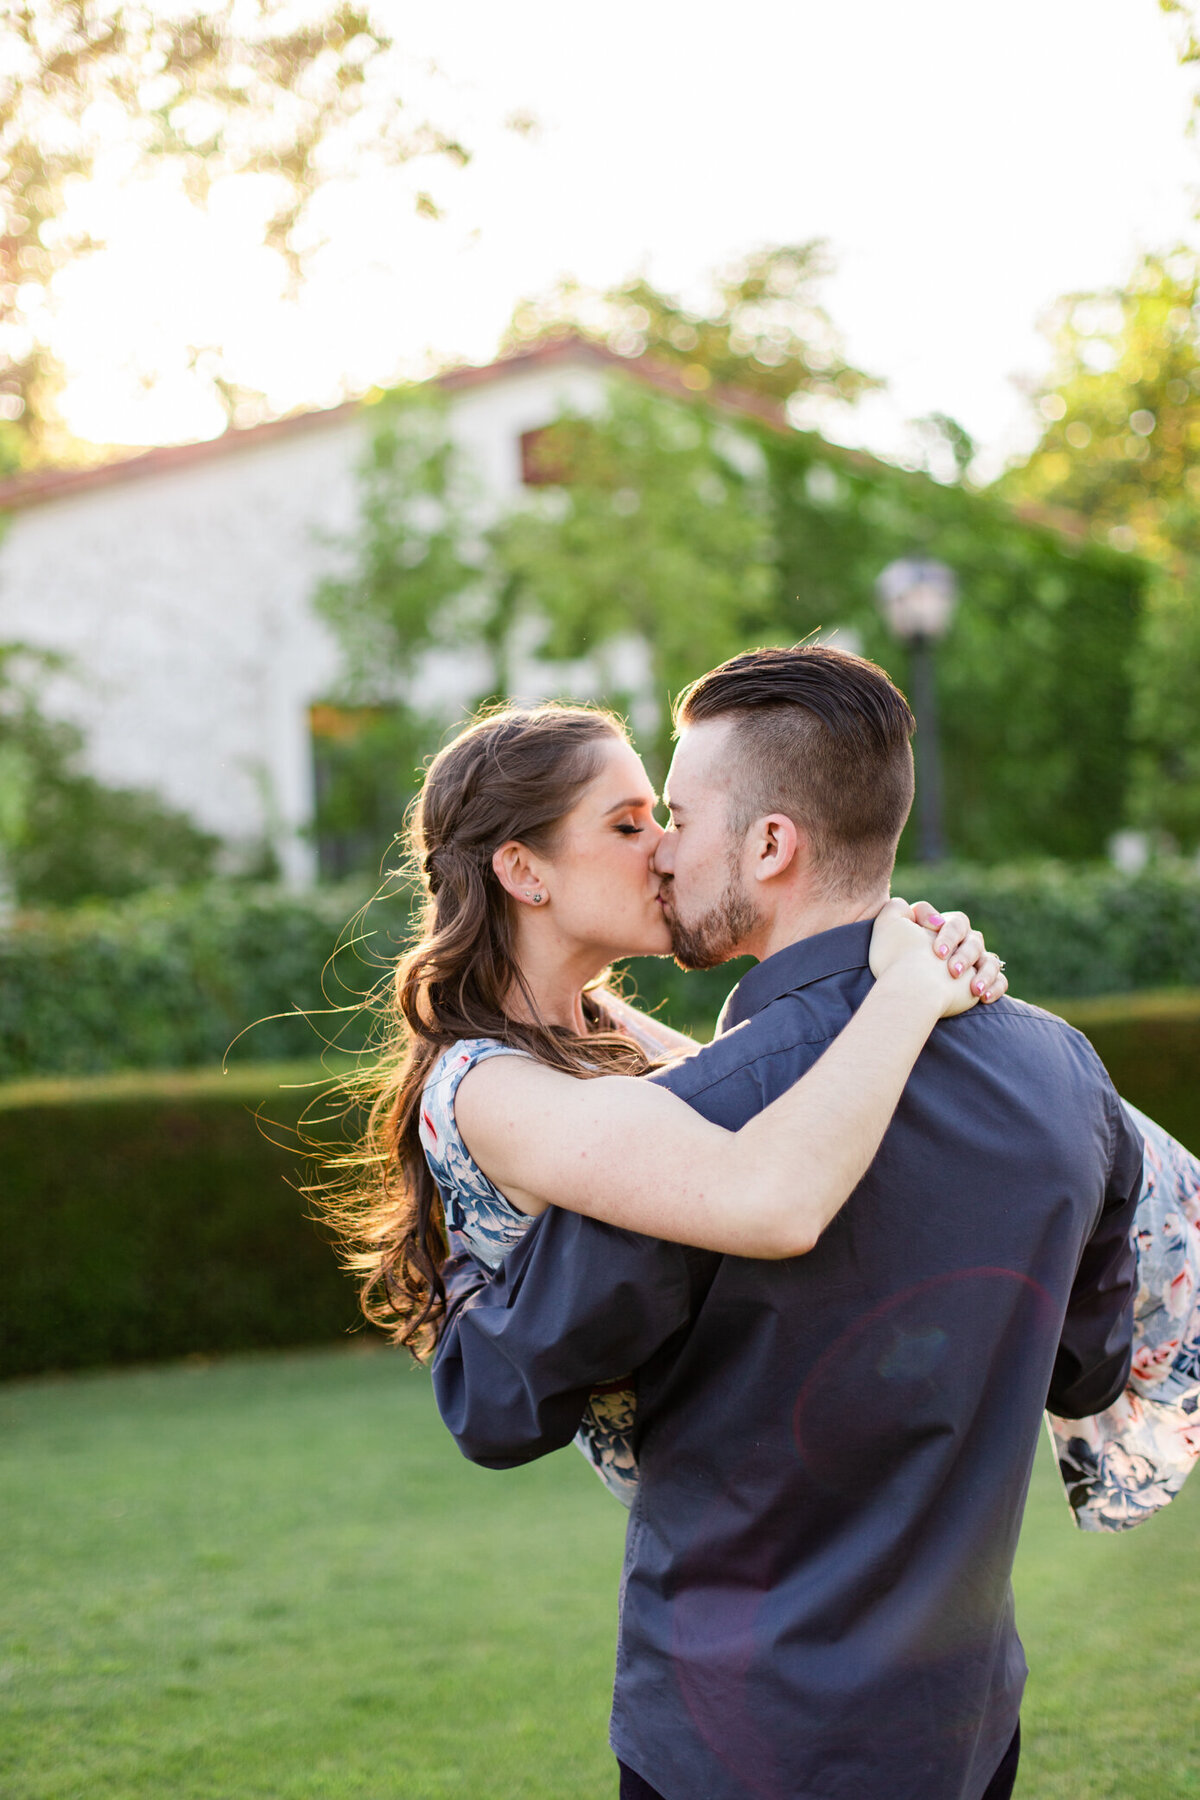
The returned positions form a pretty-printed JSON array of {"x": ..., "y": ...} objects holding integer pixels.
[
  {"x": 1035, "y": 675},
  {"x": 700, "y": 534}
]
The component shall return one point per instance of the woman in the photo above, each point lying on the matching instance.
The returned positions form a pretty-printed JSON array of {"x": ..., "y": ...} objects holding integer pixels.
[
  {"x": 500, "y": 1017},
  {"x": 505, "y": 1087}
]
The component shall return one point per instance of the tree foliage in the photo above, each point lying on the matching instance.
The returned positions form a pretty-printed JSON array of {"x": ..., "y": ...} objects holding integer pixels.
[
  {"x": 764, "y": 330},
  {"x": 658, "y": 529},
  {"x": 1121, "y": 405},
  {"x": 415, "y": 560},
  {"x": 661, "y": 524},
  {"x": 367, "y": 765},
  {"x": 65, "y": 836},
  {"x": 414, "y": 576},
  {"x": 1034, "y": 673},
  {"x": 1183, "y": 17},
  {"x": 1121, "y": 447},
  {"x": 300, "y": 97}
]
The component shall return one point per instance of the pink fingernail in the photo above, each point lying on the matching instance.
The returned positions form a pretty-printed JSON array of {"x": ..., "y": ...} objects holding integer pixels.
[
  {"x": 943, "y": 949},
  {"x": 936, "y": 920},
  {"x": 956, "y": 968}
]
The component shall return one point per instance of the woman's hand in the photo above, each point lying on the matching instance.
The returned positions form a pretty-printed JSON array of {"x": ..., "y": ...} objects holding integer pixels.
[
  {"x": 972, "y": 972},
  {"x": 963, "y": 950}
]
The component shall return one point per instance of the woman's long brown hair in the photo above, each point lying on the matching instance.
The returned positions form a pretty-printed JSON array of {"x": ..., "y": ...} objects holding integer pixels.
[{"x": 511, "y": 775}]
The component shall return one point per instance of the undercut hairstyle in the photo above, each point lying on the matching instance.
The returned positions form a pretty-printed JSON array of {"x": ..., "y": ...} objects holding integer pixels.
[{"x": 824, "y": 738}]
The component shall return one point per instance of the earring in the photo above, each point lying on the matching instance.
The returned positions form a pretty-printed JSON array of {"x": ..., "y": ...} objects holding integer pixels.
[{"x": 538, "y": 898}]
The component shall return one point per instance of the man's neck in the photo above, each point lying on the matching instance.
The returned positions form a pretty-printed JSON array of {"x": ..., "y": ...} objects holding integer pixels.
[{"x": 806, "y": 918}]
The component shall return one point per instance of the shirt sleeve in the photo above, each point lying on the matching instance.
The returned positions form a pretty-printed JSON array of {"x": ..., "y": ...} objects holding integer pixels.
[
  {"x": 1096, "y": 1348},
  {"x": 575, "y": 1305}
]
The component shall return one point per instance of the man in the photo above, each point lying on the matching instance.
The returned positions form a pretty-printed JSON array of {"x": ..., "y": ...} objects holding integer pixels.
[{"x": 834, "y": 1451}]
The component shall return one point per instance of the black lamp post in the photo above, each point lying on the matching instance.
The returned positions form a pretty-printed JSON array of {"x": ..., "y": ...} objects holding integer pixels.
[{"x": 918, "y": 599}]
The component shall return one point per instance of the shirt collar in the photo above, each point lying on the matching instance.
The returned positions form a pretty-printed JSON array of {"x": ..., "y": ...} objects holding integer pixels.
[{"x": 834, "y": 952}]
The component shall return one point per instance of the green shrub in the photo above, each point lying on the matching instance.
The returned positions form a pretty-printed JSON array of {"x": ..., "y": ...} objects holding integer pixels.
[
  {"x": 150, "y": 1215},
  {"x": 1035, "y": 674},
  {"x": 1150, "y": 1045},
  {"x": 1063, "y": 929},
  {"x": 171, "y": 979},
  {"x": 64, "y": 836},
  {"x": 157, "y": 1218},
  {"x": 1076, "y": 930}
]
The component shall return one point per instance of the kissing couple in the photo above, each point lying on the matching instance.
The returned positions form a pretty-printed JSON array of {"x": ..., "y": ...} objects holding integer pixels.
[{"x": 802, "y": 1294}]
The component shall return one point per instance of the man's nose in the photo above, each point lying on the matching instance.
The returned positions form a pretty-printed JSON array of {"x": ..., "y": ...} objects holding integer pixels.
[{"x": 663, "y": 860}]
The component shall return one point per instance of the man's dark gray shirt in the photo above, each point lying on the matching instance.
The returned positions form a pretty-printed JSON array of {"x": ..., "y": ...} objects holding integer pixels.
[{"x": 834, "y": 1449}]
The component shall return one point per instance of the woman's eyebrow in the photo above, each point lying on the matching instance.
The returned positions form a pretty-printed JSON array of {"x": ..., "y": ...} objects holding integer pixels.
[{"x": 632, "y": 805}]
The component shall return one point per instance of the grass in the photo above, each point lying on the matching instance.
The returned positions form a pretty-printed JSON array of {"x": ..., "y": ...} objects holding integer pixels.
[
  {"x": 273, "y": 1576},
  {"x": 1110, "y": 1628}
]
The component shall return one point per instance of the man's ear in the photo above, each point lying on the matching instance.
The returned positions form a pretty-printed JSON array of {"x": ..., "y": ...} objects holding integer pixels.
[
  {"x": 776, "y": 844},
  {"x": 518, "y": 873}
]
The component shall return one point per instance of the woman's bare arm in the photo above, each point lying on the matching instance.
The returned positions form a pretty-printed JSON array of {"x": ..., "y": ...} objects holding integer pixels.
[
  {"x": 668, "y": 1042},
  {"x": 632, "y": 1154}
]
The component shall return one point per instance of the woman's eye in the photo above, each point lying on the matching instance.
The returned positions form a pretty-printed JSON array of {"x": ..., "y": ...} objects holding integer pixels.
[{"x": 630, "y": 830}]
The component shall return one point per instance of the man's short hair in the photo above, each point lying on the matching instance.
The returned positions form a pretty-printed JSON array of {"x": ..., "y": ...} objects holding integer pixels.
[{"x": 824, "y": 738}]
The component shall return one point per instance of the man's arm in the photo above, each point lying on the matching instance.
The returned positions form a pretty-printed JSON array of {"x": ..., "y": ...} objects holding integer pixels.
[
  {"x": 576, "y": 1304},
  {"x": 1092, "y": 1365}
]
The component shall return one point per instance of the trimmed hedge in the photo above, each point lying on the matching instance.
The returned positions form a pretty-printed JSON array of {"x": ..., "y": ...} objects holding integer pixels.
[
  {"x": 1072, "y": 930},
  {"x": 147, "y": 1216},
  {"x": 1078, "y": 930},
  {"x": 170, "y": 980},
  {"x": 1150, "y": 1045},
  {"x": 159, "y": 1219}
]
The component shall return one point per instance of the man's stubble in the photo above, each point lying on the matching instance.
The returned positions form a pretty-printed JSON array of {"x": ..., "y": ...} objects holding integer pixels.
[{"x": 712, "y": 939}]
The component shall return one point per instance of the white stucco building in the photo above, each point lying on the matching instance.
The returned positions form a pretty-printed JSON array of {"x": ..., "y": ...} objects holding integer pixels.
[{"x": 179, "y": 585}]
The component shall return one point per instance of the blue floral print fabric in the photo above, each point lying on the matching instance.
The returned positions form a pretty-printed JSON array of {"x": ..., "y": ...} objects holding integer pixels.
[
  {"x": 480, "y": 1220},
  {"x": 1128, "y": 1462}
]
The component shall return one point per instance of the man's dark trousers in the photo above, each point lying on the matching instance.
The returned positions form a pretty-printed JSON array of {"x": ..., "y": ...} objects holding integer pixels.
[{"x": 1000, "y": 1787}]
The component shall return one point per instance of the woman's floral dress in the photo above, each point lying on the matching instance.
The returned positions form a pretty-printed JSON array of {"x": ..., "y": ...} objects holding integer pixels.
[
  {"x": 1126, "y": 1463},
  {"x": 1118, "y": 1467},
  {"x": 479, "y": 1219}
]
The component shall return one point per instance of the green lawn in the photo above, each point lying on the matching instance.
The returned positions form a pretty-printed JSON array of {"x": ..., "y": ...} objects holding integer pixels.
[{"x": 273, "y": 1576}]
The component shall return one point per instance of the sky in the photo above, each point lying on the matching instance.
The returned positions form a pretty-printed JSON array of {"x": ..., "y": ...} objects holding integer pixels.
[{"x": 967, "y": 164}]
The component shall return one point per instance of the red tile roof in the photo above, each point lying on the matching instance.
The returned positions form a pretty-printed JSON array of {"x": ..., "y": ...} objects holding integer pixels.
[{"x": 51, "y": 484}]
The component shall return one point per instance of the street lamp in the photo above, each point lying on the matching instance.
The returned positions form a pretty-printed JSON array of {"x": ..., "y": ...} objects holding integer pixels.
[{"x": 918, "y": 599}]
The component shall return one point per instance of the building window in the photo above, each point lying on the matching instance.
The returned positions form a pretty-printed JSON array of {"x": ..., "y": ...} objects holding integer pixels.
[
  {"x": 541, "y": 458},
  {"x": 364, "y": 775},
  {"x": 552, "y": 455}
]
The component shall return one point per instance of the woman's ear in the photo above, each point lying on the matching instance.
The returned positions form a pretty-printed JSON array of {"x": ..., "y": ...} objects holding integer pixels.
[{"x": 519, "y": 875}]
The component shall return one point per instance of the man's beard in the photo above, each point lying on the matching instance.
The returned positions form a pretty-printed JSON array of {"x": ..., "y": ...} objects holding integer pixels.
[{"x": 714, "y": 937}]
